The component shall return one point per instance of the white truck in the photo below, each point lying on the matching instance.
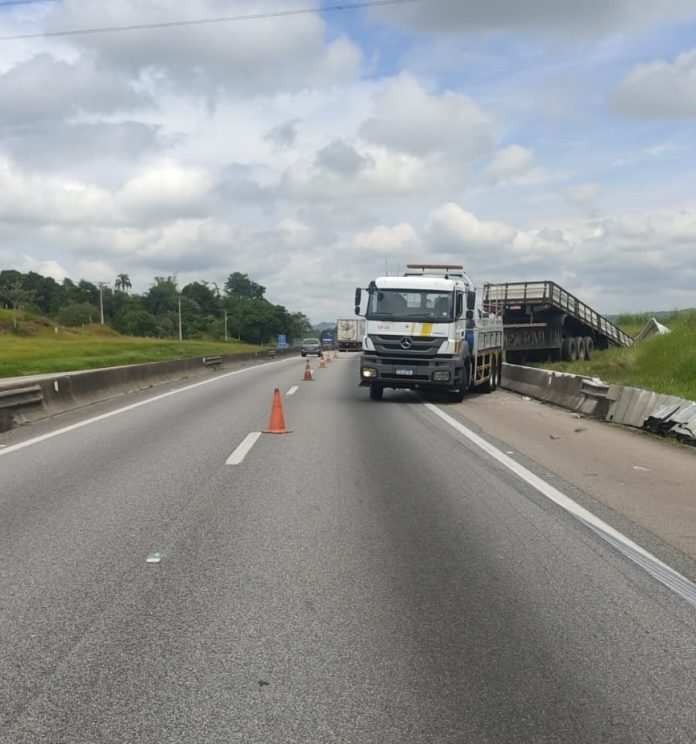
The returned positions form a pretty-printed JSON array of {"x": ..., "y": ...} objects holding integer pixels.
[
  {"x": 349, "y": 334},
  {"x": 427, "y": 330}
]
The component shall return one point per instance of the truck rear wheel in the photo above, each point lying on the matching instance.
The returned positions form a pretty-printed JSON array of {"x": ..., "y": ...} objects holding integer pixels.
[
  {"x": 492, "y": 382},
  {"x": 376, "y": 391}
]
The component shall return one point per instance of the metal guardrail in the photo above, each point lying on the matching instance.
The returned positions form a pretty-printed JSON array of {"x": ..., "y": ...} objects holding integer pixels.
[
  {"x": 553, "y": 294},
  {"x": 212, "y": 361},
  {"x": 12, "y": 399},
  {"x": 22, "y": 396}
]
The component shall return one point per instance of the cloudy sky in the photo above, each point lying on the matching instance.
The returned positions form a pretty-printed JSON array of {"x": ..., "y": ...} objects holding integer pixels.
[{"x": 545, "y": 139}]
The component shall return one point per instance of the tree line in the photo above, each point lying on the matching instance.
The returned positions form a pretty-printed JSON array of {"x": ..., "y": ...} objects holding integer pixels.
[{"x": 239, "y": 310}]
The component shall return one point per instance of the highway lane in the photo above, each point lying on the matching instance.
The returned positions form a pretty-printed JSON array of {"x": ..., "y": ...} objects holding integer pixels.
[{"x": 371, "y": 577}]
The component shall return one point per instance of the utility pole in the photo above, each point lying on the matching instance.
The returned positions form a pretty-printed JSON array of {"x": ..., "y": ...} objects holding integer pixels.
[
  {"x": 101, "y": 286},
  {"x": 181, "y": 335},
  {"x": 225, "y": 311}
]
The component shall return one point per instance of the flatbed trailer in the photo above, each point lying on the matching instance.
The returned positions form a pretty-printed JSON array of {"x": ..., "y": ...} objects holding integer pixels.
[{"x": 544, "y": 322}]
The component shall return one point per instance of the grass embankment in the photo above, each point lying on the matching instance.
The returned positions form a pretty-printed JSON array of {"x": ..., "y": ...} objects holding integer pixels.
[
  {"x": 665, "y": 364},
  {"x": 36, "y": 347}
]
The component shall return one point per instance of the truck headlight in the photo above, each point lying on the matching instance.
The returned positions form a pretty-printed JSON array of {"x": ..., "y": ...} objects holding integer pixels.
[
  {"x": 367, "y": 372},
  {"x": 441, "y": 375}
]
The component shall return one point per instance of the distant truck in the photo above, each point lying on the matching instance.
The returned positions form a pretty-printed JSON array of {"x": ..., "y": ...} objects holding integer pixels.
[
  {"x": 427, "y": 330},
  {"x": 544, "y": 322},
  {"x": 350, "y": 332}
]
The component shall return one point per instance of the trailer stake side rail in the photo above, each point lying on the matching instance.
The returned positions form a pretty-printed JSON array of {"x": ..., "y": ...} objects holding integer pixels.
[{"x": 502, "y": 296}]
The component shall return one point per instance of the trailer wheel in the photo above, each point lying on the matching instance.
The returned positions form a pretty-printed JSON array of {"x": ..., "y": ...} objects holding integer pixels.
[
  {"x": 569, "y": 350},
  {"x": 580, "y": 345},
  {"x": 589, "y": 347}
]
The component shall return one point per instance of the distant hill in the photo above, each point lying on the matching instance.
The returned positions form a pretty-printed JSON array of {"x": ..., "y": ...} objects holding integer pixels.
[{"x": 324, "y": 326}]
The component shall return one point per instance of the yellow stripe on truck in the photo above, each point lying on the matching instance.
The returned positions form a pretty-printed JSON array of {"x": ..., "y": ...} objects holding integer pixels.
[{"x": 426, "y": 329}]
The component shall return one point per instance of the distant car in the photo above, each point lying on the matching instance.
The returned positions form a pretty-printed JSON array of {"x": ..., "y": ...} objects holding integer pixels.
[{"x": 310, "y": 346}]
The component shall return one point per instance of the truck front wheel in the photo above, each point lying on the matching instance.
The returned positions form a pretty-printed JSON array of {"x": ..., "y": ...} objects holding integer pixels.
[
  {"x": 457, "y": 395},
  {"x": 376, "y": 391}
]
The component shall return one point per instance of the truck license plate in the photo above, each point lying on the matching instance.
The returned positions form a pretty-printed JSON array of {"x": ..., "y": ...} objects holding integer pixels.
[{"x": 404, "y": 371}]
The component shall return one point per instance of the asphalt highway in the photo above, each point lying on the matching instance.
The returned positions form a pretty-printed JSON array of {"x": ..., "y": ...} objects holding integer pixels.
[{"x": 372, "y": 576}]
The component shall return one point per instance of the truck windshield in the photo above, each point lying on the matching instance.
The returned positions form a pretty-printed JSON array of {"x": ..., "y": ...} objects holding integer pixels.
[{"x": 410, "y": 305}]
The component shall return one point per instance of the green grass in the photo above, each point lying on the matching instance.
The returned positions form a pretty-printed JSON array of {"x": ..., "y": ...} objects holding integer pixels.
[
  {"x": 665, "y": 364},
  {"x": 36, "y": 347}
]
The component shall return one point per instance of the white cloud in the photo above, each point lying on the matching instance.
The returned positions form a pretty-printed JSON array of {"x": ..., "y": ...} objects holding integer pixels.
[
  {"x": 582, "y": 193},
  {"x": 23, "y": 263},
  {"x": 360, "y": 175},
  {"x": 452, "y": 229},
  {"x": 166, "y": 192},
  {"x": 659, "y": 89},
  {"x": 251, "y": 58},
  {"x": 40, "y": 199},
  {"x": 46, "y": 88},
  {"x": 509, "y": 163},
  {"x": 408, "y": 119},
  {"x": 399, "y": 241}
]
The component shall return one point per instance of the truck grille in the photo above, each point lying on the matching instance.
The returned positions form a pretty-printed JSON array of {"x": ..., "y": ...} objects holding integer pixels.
[{"x": 421, "y": 346}]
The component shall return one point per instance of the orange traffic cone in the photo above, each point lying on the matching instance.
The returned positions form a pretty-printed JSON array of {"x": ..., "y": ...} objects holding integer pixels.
[
  {"x": 328, "y": 358},
  {"x": 276, "y": 424},
  {"x": 308, "y": 376},
  {"x": 322, "y": 363}
]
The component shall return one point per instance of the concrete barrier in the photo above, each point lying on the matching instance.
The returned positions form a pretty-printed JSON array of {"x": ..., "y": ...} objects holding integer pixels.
[
  {"x": 617, "y": 403},
  {"x": 62, "y": 392},
  {"x": 574, "y": 392}
]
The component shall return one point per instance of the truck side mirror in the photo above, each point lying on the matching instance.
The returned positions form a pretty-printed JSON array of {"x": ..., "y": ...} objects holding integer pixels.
[
  {"x": 459, "y": 306},
  {"x": 470, "y": 300},
  {"x": 358, "y": 296}
]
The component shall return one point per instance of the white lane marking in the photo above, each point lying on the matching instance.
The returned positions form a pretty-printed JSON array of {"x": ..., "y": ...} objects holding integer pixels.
[
  {"x": 132, "y": 406},
  {"x": 293, "y": 390},
  {"x": 654, "y": 566},
  {"x": 242, "y": 451}
]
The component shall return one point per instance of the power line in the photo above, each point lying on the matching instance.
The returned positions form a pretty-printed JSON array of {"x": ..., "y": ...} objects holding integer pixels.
[
  {"x": 202, "y": 21},
  {"x": 24, "y": 2}
]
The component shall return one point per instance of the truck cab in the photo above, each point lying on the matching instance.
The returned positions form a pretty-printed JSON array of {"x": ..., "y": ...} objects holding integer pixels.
[{"x": 426, "y": 331}]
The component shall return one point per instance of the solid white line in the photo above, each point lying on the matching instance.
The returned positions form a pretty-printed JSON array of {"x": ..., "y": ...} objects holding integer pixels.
[
  {"x": 244, "y": 448},
  {"x": 132, "y": 406},
  {"x": 655, "y": 567},
  {"x": 293, "y": 390}
]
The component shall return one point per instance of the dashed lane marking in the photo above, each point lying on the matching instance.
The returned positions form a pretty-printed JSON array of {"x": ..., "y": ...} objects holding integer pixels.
[{"x": 237, "y": 457}]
